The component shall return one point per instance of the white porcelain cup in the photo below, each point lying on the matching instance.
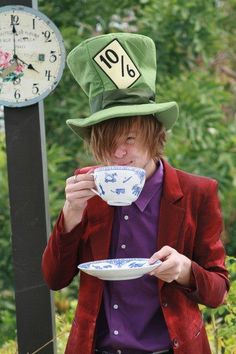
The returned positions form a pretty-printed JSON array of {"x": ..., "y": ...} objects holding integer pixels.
[{"x": 119, "y": 185}]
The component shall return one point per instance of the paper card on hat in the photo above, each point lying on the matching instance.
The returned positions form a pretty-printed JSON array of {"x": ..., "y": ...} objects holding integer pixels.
[{"x": 116, "y": 63}]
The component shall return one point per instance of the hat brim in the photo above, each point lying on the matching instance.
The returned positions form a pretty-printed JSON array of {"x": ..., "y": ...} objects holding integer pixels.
[{"x": 167, "y": 113}]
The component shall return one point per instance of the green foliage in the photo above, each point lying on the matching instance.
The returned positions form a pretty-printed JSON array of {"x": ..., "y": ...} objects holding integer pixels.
[
  {"x": 7, "y": 317},
  {"x": 204, "y": 140},
  {"x": 58, "y": 171},
  {"x": 7, "y": 308},
  {"x": 184, "y": 32},
  {"x": 65, "y": 314},
  {"x": 221, "y": 322},
  {"x": 10, "y": 347}
]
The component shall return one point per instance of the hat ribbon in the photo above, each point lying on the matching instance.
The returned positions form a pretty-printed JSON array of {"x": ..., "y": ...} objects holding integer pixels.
[{"x": 119, "y": 97}]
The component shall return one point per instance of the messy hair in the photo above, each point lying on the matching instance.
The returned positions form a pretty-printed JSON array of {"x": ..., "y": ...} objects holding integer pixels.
[{"x": 104, "y": 135}]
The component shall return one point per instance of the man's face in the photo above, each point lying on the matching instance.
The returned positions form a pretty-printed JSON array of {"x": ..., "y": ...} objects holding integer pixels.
[{"x": 129, "y": 151}]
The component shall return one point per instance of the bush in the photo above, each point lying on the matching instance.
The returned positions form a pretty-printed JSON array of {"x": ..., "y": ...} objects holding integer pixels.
[{"x": 221, "y": 322}]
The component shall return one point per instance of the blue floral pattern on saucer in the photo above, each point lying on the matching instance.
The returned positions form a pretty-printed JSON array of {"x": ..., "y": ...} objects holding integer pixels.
[{"x": 119, "y": 269}]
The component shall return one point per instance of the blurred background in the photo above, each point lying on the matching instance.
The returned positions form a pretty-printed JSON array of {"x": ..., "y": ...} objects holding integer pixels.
[{"x": 196, "y": 61}]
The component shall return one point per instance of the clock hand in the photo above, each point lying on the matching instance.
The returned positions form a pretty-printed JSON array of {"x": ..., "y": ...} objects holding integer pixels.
[
  {"x": 29, "y": 66},
  {"x": 15, "y": 56},
  {"x": 14, "y": 39}
]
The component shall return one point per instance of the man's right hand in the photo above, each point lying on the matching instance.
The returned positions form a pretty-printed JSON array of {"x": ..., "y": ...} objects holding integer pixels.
[{"x": 78, "y": 192}]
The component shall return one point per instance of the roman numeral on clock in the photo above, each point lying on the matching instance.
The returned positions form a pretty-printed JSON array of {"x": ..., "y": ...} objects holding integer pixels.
[{"x": 48, "y": 74}]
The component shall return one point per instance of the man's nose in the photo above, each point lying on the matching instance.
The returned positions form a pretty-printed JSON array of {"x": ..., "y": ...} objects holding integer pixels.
[{"x": 120, "y": 151}]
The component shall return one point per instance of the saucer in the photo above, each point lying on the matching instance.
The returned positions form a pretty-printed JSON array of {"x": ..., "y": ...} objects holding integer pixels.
[{"x": 119, "y": 269}]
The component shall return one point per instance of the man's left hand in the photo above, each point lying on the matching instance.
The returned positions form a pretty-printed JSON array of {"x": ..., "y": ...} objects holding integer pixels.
[{"x": 175, "y": 266}]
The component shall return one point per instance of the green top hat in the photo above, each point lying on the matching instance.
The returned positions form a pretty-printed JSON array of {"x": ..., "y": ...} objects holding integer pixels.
[{"x": 118, "y": 72}]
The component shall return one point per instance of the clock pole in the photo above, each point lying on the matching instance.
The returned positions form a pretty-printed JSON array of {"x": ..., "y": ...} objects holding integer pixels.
[{"x": 28, "y": 190}]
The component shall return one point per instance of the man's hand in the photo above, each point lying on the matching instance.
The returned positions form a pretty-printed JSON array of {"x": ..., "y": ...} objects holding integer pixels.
[
  {"x": 78, "y": 192},
  {"x": 175, "y": 266}
]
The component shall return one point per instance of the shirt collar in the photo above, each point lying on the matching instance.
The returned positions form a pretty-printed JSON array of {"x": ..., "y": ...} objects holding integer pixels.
[{"x": 152, "y": 185}]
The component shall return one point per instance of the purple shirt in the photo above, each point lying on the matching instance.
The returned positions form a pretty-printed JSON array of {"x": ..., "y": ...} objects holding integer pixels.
[{"x": 131, "y": 315}]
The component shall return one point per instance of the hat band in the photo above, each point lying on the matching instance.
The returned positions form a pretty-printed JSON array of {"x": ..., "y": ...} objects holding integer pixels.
[{"x": 119, "y": 97}]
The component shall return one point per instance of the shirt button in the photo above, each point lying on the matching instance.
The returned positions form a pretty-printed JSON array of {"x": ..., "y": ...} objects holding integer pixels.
[
  {"x": 123, "y": 247},
  {"x": 116, "y": 333},
  {"x": 115, "y": 306},
  {"x": 175, "y": 343},
  {"x": 126, "y": 217}
]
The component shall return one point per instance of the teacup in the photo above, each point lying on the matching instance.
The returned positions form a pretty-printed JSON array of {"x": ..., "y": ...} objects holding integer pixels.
[{"x": 119, "y": 185}]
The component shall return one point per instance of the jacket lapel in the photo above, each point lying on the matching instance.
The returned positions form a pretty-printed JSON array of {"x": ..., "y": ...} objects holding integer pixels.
[{"x": 171, "y": 211}]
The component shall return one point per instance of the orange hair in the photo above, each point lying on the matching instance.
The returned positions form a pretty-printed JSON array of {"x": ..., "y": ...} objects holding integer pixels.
[{"x": 104, "y": 135}]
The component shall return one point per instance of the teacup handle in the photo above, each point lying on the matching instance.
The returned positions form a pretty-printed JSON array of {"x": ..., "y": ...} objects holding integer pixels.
[{"x": 94, "y": 191}]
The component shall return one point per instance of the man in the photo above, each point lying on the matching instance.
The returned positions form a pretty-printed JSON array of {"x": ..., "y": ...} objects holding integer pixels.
[{"x": 176, "y": 218}]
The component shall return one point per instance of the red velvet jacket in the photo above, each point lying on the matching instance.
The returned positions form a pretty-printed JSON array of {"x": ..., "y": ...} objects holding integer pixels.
[{"x": 190, "y": 222}]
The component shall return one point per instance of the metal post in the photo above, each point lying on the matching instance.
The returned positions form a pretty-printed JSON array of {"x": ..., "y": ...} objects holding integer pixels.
[
  {"x": 27, "y": 175},
  {"x": 26, "y": 161}
]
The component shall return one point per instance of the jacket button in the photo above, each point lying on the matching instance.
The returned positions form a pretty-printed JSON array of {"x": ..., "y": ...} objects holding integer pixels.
[
  {"x": 164, "y": 304},
  {"x": 175, "y": 343}
]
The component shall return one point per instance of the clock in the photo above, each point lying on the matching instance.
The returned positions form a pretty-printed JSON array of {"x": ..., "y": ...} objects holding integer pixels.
[{"x": 32, "y": 56}]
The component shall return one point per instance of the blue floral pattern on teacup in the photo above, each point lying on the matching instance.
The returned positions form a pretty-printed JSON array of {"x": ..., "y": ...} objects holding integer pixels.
[
  {"x": 119, "y": 185},
  {"x": 101, "y": 190},
  {"x": 141, "y": 174},
  {"x": 127, "y": 179},
  {"x": 136, "y": 190},
  {"x": 118, "y": 191},
  {"x": 110, "y": 177}
]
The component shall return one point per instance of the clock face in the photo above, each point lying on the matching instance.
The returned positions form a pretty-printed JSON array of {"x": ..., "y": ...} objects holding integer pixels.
[{"x": 32, "y": 56}]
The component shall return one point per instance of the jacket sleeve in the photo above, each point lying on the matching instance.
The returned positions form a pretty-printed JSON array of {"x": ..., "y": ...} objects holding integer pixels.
[
  {"x": 208, "y": 263},
  {"x": 61, "y": 255}
]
